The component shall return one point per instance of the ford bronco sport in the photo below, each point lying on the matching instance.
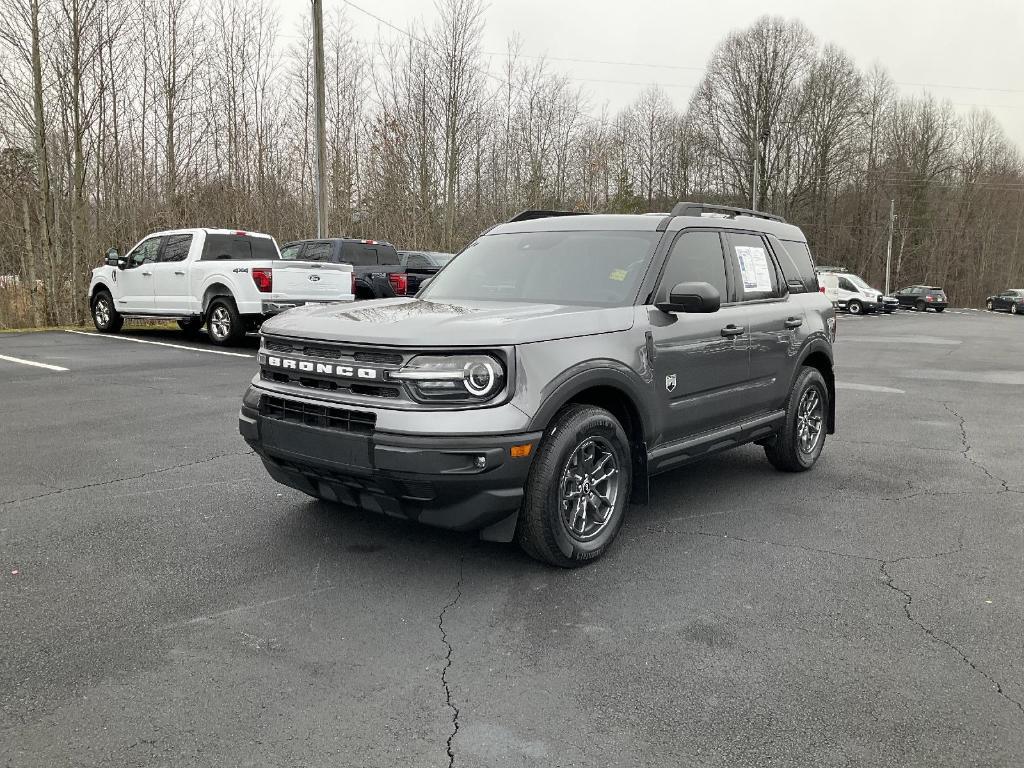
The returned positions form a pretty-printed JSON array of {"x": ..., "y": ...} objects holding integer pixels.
[{"x": 555, "y": 365}]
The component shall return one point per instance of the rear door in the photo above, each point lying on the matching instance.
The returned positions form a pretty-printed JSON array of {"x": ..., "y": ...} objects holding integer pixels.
[
  {"x": 171, "y": 293},
  {"x": 700, "y": 360}
]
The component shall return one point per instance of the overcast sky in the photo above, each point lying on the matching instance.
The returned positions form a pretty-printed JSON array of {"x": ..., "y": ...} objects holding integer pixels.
[{"x": 968, "y": 52}]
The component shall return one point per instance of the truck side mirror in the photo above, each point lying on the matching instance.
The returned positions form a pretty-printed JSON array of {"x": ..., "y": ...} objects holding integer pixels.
[
  {"x": 692, "y": 297},
  {"x": 113, "y": 257}
]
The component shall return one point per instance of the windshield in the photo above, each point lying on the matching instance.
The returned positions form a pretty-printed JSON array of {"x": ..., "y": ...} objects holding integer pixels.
[
  {"x": 440, "y": 259},
  {"x": 590, "y": 268},
  {"x": 859, "y": 282}
]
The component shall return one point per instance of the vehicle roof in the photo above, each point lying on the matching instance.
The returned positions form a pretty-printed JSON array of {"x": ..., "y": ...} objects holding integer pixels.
[
  {"x": 647, "y": 223},
  {"x": 206, "y": 230},
  {"x": 339, "y": 240}
]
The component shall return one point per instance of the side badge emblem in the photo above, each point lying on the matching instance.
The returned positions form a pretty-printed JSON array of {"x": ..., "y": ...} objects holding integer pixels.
[{"x": 670, "y": 382}]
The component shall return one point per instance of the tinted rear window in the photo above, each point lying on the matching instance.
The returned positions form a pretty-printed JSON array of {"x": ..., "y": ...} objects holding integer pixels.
[
  {"x": 238, "y": 248},
  {"x": 797, "y": 264}
]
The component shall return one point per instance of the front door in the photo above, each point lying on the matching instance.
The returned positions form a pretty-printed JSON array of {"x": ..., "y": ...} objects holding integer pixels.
[
  {"x": 701, "y": 361},
  {"x": 135, "y": 281},
  {"x": 170, "y": 276}
]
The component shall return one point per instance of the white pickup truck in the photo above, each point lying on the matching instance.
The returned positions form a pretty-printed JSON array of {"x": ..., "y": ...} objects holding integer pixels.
[{"x": 228, "y": 279}]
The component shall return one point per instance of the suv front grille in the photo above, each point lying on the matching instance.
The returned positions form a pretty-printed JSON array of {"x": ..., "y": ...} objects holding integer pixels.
[{"x": 298, "y": 412}]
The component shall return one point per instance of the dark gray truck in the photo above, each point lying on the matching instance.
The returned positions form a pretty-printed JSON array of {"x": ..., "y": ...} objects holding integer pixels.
[{"x": 535, "y": 386}]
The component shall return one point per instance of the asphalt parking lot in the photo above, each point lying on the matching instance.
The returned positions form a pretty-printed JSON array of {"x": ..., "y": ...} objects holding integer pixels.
[{"x": 165, "y": 603}]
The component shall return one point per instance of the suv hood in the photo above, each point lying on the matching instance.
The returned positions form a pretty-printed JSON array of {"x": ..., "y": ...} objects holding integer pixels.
[{"x": 420, "y": 323}]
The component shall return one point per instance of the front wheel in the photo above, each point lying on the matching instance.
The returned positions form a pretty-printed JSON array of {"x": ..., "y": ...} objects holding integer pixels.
[
  {"x": 855, "y": 308},
  {"x": 798, "y": 444},
  {"x": 104, "y": 316},
  {"x": 920, "y": 306},
  {"x": 223, "y": 322},
  {"x": 988, "y": 305},
  {"x": 940, "y": 309},
  {"x": 578, "y": 489},
  {"x": 1013, "y": 309}
]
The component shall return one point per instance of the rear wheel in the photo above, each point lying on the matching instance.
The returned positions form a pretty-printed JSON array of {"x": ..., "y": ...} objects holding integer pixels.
[
  {"x": 798, "y": 444},
  {"x": 988, "y": 305},
  {"x": 578, "y": 488},
  {"x": 191, "y": 326},
  {"x": 104, "y": 316},
  {"x": 1013, "y": 309},
  {"x": 855, "y": 308},
  {"x": 940, "y": 309},
  {"x": 223, "y": 322},
  {"x": 920, "y": 306}
]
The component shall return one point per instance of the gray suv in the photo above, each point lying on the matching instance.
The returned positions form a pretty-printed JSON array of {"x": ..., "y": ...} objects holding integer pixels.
[{"x": 536, "y": 384}]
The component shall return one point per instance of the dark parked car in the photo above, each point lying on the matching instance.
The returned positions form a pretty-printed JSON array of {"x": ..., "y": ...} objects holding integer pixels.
[
  {"x": 377, "y": 269},
  {"x": 424, "y": 259},
  {"x": 538, "y": 382},
  {"x": 921, "y": 298},
  {"x": 1011, "y": 301}
]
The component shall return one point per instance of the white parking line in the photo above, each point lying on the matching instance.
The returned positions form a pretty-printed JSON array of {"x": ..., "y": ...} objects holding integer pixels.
[
  {"x": 869, "y": 388},
  {"x": 161, "y": 344},
  {"x": 33, "y": 363}
]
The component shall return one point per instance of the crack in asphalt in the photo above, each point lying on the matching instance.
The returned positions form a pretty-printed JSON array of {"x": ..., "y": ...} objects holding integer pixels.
[
  {"x": 966, "y": 450},
  {"x": 907, "y": 601},
  {"x": 100, "y": 484},
  {"x": 448, "y": 664}
]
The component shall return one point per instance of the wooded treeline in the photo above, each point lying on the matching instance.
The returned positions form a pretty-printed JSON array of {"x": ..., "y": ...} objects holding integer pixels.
[{"x": 119, "y": 117}]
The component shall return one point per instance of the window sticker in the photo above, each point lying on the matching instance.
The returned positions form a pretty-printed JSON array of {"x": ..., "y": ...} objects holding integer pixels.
[{"x": 754, "y": 268}]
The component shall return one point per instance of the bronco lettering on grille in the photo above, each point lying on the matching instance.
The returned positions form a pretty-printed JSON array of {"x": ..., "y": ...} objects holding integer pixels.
[{"x": 324, "y": 369}]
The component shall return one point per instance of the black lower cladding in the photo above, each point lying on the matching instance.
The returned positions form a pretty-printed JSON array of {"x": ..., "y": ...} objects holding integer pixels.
[{"x": 462, "y": 483}]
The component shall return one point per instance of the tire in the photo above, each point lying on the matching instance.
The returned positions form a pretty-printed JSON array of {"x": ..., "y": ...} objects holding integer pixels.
[
  {"x": 988, "y": 305},
  {"x": 223, "y": 323},
  {"x": 789, "y": 452},
  {"x": 855, "y": 308},
  {"x": 940, "y": 309},
  {"x": 191, "y": 326},
  {"x": 585, "y": 440},
  {"x": 920, "y": 306},
  {"x": 1013, "y": 309},
  {"x": 104, "y": 316}
]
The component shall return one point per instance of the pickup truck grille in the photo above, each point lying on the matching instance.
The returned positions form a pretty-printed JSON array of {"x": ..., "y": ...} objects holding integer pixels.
[{"x": 298, "y": 412}]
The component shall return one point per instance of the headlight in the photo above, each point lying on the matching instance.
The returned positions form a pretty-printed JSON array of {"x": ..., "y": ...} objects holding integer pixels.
[{"x": 453, "y": 378}]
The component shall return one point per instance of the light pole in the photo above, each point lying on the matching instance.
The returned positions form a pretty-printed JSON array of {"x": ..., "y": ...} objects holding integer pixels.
[
  {"x": 888, "y": 250},
  {"x": 321, "y": 140}
]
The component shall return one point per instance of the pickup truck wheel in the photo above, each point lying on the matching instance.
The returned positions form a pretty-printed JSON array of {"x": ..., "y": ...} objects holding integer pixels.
[
  {"x": 191, "y": 326},
  {"x": 104, "y": 316},
  {"x": 223, "y": 322},
  {"x": 798, "y": 444},
  {"x": 578, "y": 488}
]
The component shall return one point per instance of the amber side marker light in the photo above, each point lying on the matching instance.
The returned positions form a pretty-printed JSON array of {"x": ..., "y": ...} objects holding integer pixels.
[{"x": 520, "y": 451}]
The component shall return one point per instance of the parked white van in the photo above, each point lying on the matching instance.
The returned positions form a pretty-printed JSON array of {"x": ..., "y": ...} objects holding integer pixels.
[{"x": 850, "y": 292}]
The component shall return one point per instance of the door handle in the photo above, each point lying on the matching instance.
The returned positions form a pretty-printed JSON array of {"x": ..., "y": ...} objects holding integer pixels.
[
  {"x": 733, "y": 330},
  {"x": 177, "y": 272},
  {"x": 147, "y": 273},
  {"x": 793, "y": 322}
]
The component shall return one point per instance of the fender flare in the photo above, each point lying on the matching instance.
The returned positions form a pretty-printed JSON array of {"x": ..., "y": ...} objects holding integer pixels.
[
  {"x": 814, "y": 345},
  {"x": 215, "y": 286}
]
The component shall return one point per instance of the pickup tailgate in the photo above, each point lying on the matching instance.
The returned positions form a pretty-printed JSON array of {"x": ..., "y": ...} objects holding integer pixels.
[{"x": 312, "y": 281}]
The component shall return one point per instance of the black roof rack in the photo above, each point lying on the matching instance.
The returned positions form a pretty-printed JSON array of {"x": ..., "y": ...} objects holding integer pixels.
[
  {"x": 530, "y": 214},
  {"x": 698, "y": 209}
]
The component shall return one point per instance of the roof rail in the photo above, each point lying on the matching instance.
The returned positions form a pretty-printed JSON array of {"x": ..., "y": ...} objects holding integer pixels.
[
  {"x": 530, "y": 214},
  {"x": 698, "y": 209}
]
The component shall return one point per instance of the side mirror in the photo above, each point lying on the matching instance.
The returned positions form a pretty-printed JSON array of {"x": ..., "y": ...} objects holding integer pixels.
[
  {"x": 692, "y": 297},
  {"x": 113, "y": 257},
  {"x": 424, "y": 284}
]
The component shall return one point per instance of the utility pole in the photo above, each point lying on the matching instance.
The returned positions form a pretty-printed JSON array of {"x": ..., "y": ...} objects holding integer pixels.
[
  {"x": 321, "y": 140},
  {"x": 888, "y": 252},
  {"x": 757, "y": 158}
]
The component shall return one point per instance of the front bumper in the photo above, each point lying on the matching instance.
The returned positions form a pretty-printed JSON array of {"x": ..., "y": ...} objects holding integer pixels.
[{"x": 458, "y": 482}]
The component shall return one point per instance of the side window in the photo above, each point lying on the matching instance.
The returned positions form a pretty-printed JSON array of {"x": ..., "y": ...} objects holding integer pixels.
[
  {"x": 319, "y": 251},
  {"x": 291, "y": 252},
  {"x": 176, "y": 248},
  {"x": 795, "y": 256},
  {"x": 757, "y": 276},
  {"x": 359, "y": 255},
  {"x": 146, "y": 253},
  {"x": 696, "y": 257},
  {"x": 846, "y": 285},
  {"x": 416, "y": 261}
]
